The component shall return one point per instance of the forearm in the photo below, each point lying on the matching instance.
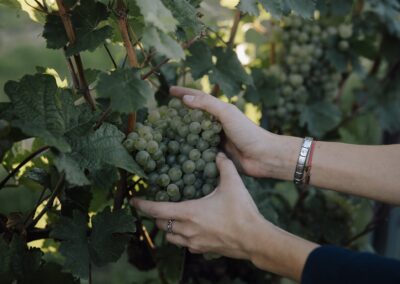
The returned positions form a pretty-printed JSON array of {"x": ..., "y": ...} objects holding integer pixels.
[
  {"x": 369, "y": 171},
  {"x": 275, "y": 250}
]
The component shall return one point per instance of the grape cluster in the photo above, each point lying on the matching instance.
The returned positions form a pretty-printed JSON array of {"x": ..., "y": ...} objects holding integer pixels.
[
  {"x": 303, "y": 71},
  {"x": 176, "y": 147}
]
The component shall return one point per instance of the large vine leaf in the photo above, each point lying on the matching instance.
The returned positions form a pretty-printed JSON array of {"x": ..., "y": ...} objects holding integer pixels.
[
  {"x": 228, "y": 72},
  {"x": 388, "y": 12},
  {"x": 320, "y": 117},
  {"x": 163, "y": 43},
  {"x": 156, "y": 14},
  {"x": 200, "y": 60},
  {"x": 37, "y": 106},
  {"x": 125, "y": 89},
  {"x": 278, "y": 8},
  {"x": 85, "y": 19},
  {"x": 105, "y": 244},
  {"x": 249, "y": 6}
]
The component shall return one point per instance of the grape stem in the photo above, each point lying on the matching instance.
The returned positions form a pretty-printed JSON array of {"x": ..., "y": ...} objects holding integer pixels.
[{"x": 25, "y": 161}]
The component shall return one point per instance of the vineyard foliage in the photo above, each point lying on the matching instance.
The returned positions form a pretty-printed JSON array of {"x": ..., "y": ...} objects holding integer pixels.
[{"x": 329, "y": 69}]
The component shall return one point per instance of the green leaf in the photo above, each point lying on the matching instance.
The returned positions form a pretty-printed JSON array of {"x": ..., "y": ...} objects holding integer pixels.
[
  {"x": 109, "y": 235},
  {"x": 73, "y": 236},
  {"x": 228, "y": 72},
  {"x": 23, "y": 199},
  {"x": 171, "y": 261},
  {"x": 278, "y": 8},
  {"x": 387, "y": 11},
  {"x": 50, "y": 273},
  {"x": 186, "y": 15},
  {"x": 156, "y": 14},
  {"x": 249, "y": 6},
  {"x": 163, "y": 43},
  {"x": 85, "y": 19},
  {"x": 36, "y": 106},
  {"x": 105, "y": 244},
  {"x": 125, "y": 89},
  {"x": 200, "y": 60},
  {"x": 320, "y": 118},
  {"x": 364, "y": 129}
]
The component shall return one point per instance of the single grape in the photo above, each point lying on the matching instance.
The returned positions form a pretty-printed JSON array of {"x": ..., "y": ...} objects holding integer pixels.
[
  {"x": 345, "y": 31},
  {"x": 138, "y": 125},
  {"x": 153, "y": 189},
  {"x": 175, "y": 103},
  {"x": 192, "y": 139},
  {"x": 173, "y": 147},
  {"x": 160, "y": 162},
  {"x": 129, "y": 145},
  {"x": 157, "y": 136},
  {"x": 148, "y": 136},
  {"x": 207, "y": 189},
  {"x": 343, "y": 45},
  {"x": 182, "y": 158},
  {"x": 185, "y": 149},
  {"x": 180, "y": 183},
  {"x": 173, "y": 190},
  {"x": 183, "y": 131},
  {"x": 188, "y": 167},
  {"x": 145, "y": 130},
  {"x": 207, "y": 135},
  {"x": 163, "y": 147},
  {"x": 206, "y": 124},
  {"x": 150, "y": 166},
  {"x": 153, "y": 178},
  {"x": 172, "y": 112},
  {"x": 133, "y": 136},
  {"x": 153, "y": 116},
  {"x": 189, "y": 179},
  {"x": 208, "y": 155},
  {"x": 216, "y": 127},
  {"x": 175, "y": 174},
  {"x": 210, "y": 170},
  {"x": 163, "y": 180},
  {"x": 215, "y": 140},
  {"x": 171, "y": 159},
  {"x": 175, "y": 124},
  {"x": 152, "y": 147},
  {"x": 163, "y": 169},
  {"x": 198, "y": 183},
  {"x": 157, "y": 155},
  {"x": 182, "y": 112},
  {"x": 140, "y": 144},
  {"x": 200, "y": 164},
  {"x": 187, "y": 119},
  {"x": 189, "y": 191},
  {"x": 195, "y": 127},
  {"x": 162, "y": 196},
  {"x": 202, "y": 145},
  {"x": 194, "y": 155},
  {"x": 196, "y": 115},
  {"x": 142, "y": 157}
]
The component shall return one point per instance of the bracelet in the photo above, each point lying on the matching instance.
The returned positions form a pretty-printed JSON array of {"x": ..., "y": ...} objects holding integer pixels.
[{"x": 302, "y": 161}]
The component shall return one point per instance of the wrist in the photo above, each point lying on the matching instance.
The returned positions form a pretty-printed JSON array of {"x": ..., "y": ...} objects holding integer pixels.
[{"x": 280, "y": 156}]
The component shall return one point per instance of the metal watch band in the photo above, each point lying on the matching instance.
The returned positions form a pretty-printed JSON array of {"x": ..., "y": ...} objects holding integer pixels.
[{"x": 301, "y": 161}]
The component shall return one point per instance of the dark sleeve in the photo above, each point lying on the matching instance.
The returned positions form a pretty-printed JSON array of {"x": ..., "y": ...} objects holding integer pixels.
[{"x": 330, "y": 264}]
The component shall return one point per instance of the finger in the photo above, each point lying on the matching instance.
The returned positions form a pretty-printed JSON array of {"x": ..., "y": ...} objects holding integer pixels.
[
  {"x": 227, "y": 170},
  {"x": 177, "y": 226},
  {"x": 198, "y": 99},
  {"x": 193, "y": 251},
  {"x": 234, "y": 154},
  {"x": 159, "y": 210},
  {"x": 177, "y": 240}
]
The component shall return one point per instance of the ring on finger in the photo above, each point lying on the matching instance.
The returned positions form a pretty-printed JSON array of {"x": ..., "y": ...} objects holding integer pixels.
[{"x": 170, "y": 224}]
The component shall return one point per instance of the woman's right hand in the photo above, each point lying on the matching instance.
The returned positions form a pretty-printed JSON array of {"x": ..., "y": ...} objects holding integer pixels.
[{"x": 255, "y": 151}]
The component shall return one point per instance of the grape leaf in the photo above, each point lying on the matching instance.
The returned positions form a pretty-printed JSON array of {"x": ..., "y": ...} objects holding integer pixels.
[
  {"x": 125, "y": 89},
  {"x": 388, "y": 12},
  {"x": 304, "y": 8},
  {"x": 156, "y": 14},
  {"x": 249, "y": 6},
  {"x": 200, "y": 60},
  {"x": 36, "y": 105},
  {"x": 50, "y": 273},
  {"x": 85, "y": 19},
  {"x": 320, "y": 117},
  {"x": 23, "y": 199},
  {"x": 171, "y": 261},
  {"x": 228, "y": 72},
  {"x": 163, "y": 43},
  {"x": 73, "y": 172},
  {"x": 105, "y": 244},
  {"x": 186, "y": 15}
]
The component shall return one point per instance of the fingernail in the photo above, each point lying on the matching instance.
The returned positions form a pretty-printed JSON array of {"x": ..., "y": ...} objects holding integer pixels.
[
  {"x": 221, "y": 155},
  {"x": 188, "y": 98}
]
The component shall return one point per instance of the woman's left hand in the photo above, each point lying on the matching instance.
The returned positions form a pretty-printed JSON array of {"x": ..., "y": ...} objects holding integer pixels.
[{"x": 222, "y": 222}]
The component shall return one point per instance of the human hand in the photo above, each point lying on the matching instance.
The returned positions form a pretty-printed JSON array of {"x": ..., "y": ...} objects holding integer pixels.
[
  {"x": 221, "y": 222},
  {"x": 255, "y": 151}
]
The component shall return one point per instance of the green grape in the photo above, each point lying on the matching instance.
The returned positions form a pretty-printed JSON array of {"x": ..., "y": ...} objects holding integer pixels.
[
  {"x": 186, "y": 148},
  {"x": 182, "y": 158},
  {"x": 180, "y": 183},
  {"x": 170, "y": 135},
  {"x": 196, "y": 115},
  {"x": 175, "y": 103},
  {"x": 207, "y": 135},
  {"x": 171, "y": 160},
  {"x": 160, "y": 162},
  {"x": 163, "y": 169},
  {"x": 140, "y": 144},
  {"x": 189, "y": 179},
  {"x": 202, "y": 145},
  {"x": 163, "y": 180},
  {"x": 216, "y": 127},
  {"x": 173, "y": 147},
  {"x": 194, "y": 155},
  {"x": 206, "y": 124},
  {"x": 343, "y": 45},
  {"x": 296, "y": 80},
  {"x": 162, "y": 196},
  {"x": 175, "y": 174},
  {"x": 142, "y": 157},
  {"x": 157, "y": 136},
  {"x": 183, "y": 131},
  {"x": 198, "y": 183},
  {"x": 153, "y": 189},
  {"x": 175, "y": 124},
  {"x": 173, "y": 191},
  {"x": 150, "y": 166},
  {"x": 187, "y": 119},
  {"x": 157, "y": 155},
  {"x": 148, "y": 136},
  {"x": 138, "y": 125},
  {"x": 153, "y": 178},
  {"x": 212, "y": 181},
  {"x": 208, "y": 155},
  {"x": 153, "y": 116},
  {"x": 182, "y": 112},
  {"x": 152, "y": 147},
  {"x": 145, "y": 130},
  {"x": 133, "y": 136},
  {"x": 188, "y": 167},
  {"x": 129, "y": 145},
  {"x": 345, "y": 31},
  {"x": 207, "y": 189},
  {"x": 163, "y": 110},
  {"x": 215, "y": 140},
  {"x": 161, "y": 124},
  {"x": 163, "y": 147},
  {"x": 192, "y": 139},
  {"x": 189, "y": 191},
  {"x": 200, "y": 164},
  {"x": 195, "y": 127},
  {"x": 172, "y": 112},
  {"x": 210, "y": 170}
]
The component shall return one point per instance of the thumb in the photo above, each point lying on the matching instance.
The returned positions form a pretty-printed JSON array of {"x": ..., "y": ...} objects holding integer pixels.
[{"x": 227, "y": 170}]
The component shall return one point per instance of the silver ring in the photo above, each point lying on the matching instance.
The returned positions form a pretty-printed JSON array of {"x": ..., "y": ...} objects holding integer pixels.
[{"x": 169, "y": 226}]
